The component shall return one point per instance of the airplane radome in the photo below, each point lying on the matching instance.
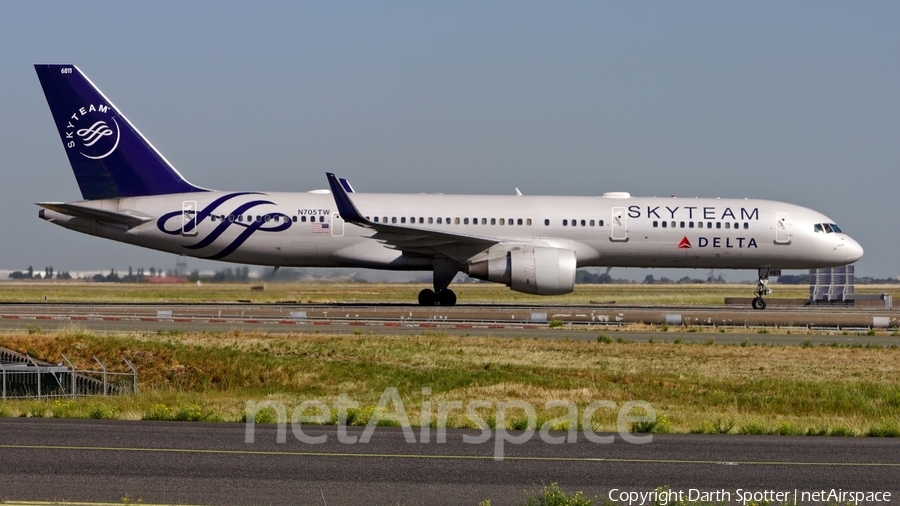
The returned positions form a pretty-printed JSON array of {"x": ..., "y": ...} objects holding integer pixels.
[{"x": 532, "y": 244}]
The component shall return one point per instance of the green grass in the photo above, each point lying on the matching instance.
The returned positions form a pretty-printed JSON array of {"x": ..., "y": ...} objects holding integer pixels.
[{"x": 693, "y": 387}]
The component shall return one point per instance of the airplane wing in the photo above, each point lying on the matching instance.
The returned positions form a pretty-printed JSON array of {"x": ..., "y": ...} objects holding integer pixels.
[
  {"x": 458, "y": 247},
  {"x": 92, "y": 213}
]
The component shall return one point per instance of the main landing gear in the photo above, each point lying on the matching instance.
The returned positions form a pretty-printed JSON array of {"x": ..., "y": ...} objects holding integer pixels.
[
  {"x": 762, "y": 288},
  {"x": 445, "y": 297},
  {"x": 444, "y": 272}
]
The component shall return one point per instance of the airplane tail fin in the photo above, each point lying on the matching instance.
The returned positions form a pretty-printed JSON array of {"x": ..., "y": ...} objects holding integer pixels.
[{"x": 108, "y": 154}]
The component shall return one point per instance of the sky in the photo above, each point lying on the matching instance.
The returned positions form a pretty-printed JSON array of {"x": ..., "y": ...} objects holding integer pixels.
[{"x": 789, "y": 101}]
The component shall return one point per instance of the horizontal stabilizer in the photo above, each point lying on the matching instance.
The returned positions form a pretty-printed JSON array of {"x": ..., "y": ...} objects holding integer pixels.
[{"x": 92, "y": 213}]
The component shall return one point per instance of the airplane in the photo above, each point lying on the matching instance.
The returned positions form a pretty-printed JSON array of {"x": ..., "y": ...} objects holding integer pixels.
[{"x": 532, "y": 244}]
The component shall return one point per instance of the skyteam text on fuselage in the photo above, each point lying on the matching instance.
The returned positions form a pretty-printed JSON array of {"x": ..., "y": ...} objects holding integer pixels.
[{"x": 532, "y": 244}]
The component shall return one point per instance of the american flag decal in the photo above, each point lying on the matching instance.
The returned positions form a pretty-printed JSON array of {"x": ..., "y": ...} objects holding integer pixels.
[{"x": 320, "y": 228}]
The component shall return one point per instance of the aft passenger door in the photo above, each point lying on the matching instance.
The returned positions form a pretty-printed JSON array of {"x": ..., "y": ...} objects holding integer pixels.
[
  {"x": 619, "y": 224},
  {"x": 188, "y": 213}
]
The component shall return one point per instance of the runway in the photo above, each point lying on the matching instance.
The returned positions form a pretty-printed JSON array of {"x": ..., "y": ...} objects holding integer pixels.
[
  {"x": 504, "y": 314},
  {"x": 202, "y": 463},
  {"x": 687, "y": 324}
]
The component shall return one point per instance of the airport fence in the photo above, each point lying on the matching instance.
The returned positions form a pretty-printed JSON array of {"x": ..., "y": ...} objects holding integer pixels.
[{"x": 23, "y": 377}]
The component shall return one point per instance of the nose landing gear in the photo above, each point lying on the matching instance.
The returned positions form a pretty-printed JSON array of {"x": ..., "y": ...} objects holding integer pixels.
[{"x": 762, "y": 288}]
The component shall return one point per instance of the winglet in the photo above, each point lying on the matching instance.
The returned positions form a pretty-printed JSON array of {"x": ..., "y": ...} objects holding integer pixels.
[{"x": 345, "y": 206}]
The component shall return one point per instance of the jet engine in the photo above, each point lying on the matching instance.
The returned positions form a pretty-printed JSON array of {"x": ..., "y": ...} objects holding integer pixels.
[{"x": 537, "y": 270}]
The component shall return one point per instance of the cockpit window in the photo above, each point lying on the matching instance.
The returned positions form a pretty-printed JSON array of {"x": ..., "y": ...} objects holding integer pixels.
[
  {"x": 827, "y": 228},
  {"x": 836, "y": 229},
  {"x": 818, "y": 228}
]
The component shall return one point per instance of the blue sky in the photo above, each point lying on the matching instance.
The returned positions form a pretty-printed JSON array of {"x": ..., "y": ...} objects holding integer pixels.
[{"x": 791, "y": 101}]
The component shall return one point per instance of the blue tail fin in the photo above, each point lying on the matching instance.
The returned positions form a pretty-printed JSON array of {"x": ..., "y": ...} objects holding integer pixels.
[{"x": 109, "y": 156}]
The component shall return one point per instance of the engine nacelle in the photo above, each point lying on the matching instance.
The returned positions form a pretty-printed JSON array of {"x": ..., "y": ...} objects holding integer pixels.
[{"x": 537, "y": 270}]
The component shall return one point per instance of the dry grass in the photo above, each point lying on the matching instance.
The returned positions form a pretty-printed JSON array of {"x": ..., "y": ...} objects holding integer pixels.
[{"x": 695, "y": 387}]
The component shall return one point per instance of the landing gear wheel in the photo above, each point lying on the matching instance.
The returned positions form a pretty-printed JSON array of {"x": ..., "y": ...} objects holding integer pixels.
[
  {"x": 762, "y": 288},
  {"x": 427, "y": 297},
  {"x": 446, "y": 297}
]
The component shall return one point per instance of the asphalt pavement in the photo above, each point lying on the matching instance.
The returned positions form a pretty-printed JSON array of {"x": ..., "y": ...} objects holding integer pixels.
[{"x": 207, "y": 463}]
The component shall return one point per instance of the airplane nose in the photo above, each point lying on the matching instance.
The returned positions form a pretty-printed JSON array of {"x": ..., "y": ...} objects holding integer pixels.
[{"x": 854, "y": 250}]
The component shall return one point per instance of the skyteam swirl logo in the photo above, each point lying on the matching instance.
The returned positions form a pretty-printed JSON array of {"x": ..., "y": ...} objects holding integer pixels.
[
  {"x": 93, "y": 130},
  {"x": 97, "y": 131},
  {"x": 226, "y": 216}
]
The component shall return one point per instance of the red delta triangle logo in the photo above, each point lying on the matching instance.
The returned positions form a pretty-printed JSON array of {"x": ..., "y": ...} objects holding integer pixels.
[{"x": 684, "y": 244}]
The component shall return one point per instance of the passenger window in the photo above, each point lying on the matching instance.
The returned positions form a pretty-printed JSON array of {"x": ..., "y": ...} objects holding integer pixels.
[
  {"x": 699, "y": 224},
  {"x": 321, "y": 219},
  {"x": 502, "y": 221},
  {"x": 465, "y": 221},
  {"x": 519, "y": 221},
  {"x": 655, "y": 224},
  {"x": 303, "y": 219},
  {"x": 212, "y": 217},
  {"x": 746, "y": 226},
  {"x": 574, "y": 222},
  {"x": 294, "y": 219},
  {"x": 708, "y": 224},
  {"x": 682, "y": 224},
  {"x": 448, "y": 221},
  {"x": 673, "y": 224},
  {"x": 546, "y": 222},
  {"x": 601, "y": 223},
  {"x": 592, "y": 223},
  {"x": 456, "y": 221},
  {"x": 510, "y": 222},
  {"x": 403, "y": 219},
  {"x": 565, "y": 223},
  {"x": 727, "y": 225},
  {"x": 430, "y": 220},
  {"x": 582, "y": 223},
  {"x": 484, "y": 221},
  {"x": 528, "y": 222},
  {"x": 494, "y": 221},
  {"x": 664, "y": 224},
  {"x": 393, "y": 219},
  {"x": 376, "y": 219},
  {"x": 690, "y": 224},
  {"x": 385, "y": 220},
  {"x": 439, "y": 221},
  {"x": 718, "y": 224}
]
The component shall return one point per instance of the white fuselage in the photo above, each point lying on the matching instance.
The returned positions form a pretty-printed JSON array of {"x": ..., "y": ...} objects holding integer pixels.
[{"x": 305, "y": 229}]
